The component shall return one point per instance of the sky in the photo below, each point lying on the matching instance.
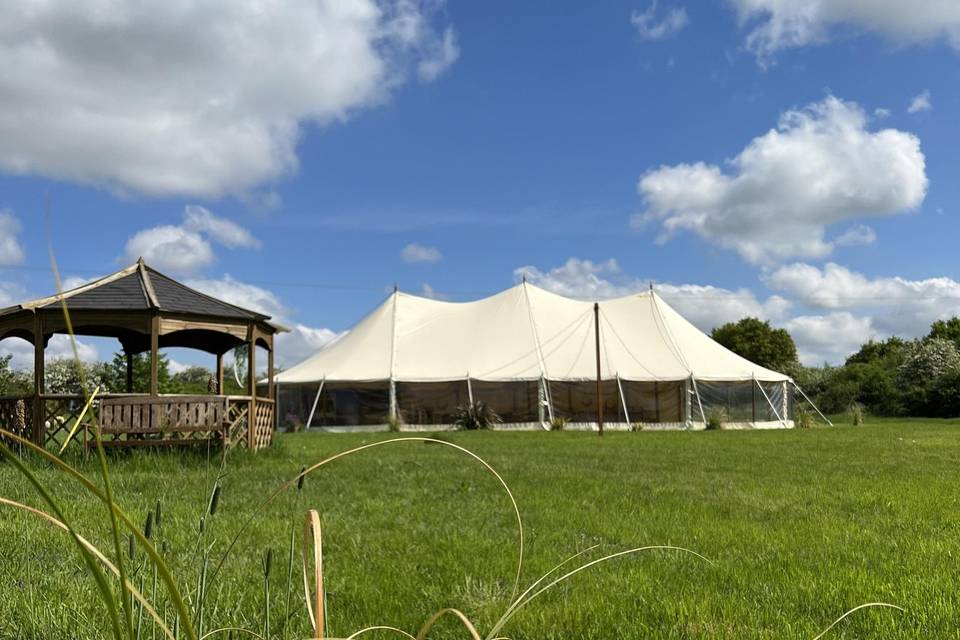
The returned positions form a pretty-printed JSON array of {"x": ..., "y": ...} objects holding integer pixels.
[{"x": 793, "y": 160}]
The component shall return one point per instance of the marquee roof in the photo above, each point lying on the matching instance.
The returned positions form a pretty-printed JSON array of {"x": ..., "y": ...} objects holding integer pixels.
[{"x": 524, "y": 333}]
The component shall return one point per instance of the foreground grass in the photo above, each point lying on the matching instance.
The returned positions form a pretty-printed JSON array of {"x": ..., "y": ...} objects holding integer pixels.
[{"x": 801, "y": 526}]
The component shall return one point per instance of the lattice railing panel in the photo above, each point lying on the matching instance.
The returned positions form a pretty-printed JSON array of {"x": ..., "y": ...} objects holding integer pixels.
[
  {"x": 238, "y": 413},
  {"x": 263, "y": 425}
]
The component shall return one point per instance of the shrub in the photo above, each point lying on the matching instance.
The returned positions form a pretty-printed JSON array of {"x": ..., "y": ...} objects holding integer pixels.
[
  {"x": 475, "y": 415},
  {"x": 716, "y": 418},
  {"x": 394, "y": 422},
  {"x": 558, "y": 423},
  {"x": 802, "y": 418},
  {"x": 856, "y": 414}
]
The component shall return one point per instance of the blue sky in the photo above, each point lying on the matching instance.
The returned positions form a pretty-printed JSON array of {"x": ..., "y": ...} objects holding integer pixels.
[{"x": 751, "y": 157}]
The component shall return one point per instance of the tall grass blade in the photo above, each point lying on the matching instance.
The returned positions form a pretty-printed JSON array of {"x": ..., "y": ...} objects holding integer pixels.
[
  {"x": 520, "y": 604},
  {"x": 297, "y": 479},
  {"x": 854, "y": 610},
  {"x": 159, "y": 563},
  {"x": 76, "y": 425},
  {"x": 312, "y": 540}
]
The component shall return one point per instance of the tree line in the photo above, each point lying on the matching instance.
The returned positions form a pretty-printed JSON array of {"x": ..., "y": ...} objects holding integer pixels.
[
  {"x": 66, "y": 375},
  {"x": 891, "y": 377}
]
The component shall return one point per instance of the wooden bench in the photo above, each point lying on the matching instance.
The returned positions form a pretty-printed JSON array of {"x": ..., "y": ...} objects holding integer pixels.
[{"x": 159, "y": 420}]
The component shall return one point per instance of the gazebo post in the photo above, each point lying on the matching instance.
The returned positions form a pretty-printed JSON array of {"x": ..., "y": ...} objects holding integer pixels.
[
  {"x": 154, "y": 355},
  {"x": 129, "y": 371},
  {"x": 220, "y": 375},
  {"x": 39, "y": 382},
  {"x": 252, "y": 386},
  {"x": 271, "y": 386}
]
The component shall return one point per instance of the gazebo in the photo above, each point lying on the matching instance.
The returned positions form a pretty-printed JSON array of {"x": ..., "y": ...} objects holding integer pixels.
[{"x": 146, "y": 311}]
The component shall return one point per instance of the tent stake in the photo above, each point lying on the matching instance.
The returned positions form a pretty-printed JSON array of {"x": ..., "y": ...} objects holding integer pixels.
[{"x": 596, "y": 326}]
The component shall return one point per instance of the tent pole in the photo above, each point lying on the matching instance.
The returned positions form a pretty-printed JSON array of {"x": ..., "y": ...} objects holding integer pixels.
[
  {"x": 696, "y": 392},
  {"x": 548, "y": 396},
  {"x": 313, "y": 409},
  {"x": 596, "y": 327},
  {"x": 469, "y": 390},
  {"x": 623, "y": 400},
  {"x": 393, "y": 399},
  {"x": 797, "y": 387},
  {"x": 770, "y": 402}
]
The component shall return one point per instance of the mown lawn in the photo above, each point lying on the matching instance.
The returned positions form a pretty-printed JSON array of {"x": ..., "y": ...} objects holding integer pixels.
[{"x": 800, "y": 526}]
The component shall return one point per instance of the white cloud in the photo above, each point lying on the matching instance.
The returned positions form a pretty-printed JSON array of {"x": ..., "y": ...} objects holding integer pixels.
[
  {"x": 821, "y": 166},
  {"x": 170, "y": 248},
  {"x": 428, "y": 291},
  {"x": 705, "y": 306},
  {"x": 443, "y": 53},
  {"x": 197, "y": 98},
  {"x": 175, "y": 366},
  {"x": 10, "y": 250},
  {"x": 58, "y": 347},
  {"x": 184, "y": 248},
  {"x": 292, "y": 347},
  {"x": 920, "y": 103},
  {"x": 896, "y": 306},
  {"x": 829, "y": 338},
  {"x": 301, "y": 343},
  {"x": 10, "y": 293},
  {"x": 855, "y": 236},
  {"x": 650, "y": 28},
  {"x": 244, "y": 295},
  {"x": 418, "y": 253},
  {"x": 881, "y": 113},
  {"x": 227, "y": 233},
  {"x": 783, "y": 24}
]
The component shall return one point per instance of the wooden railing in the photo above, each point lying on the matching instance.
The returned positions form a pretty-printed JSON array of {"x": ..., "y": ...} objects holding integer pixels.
[{"x": 135, "y": 420}]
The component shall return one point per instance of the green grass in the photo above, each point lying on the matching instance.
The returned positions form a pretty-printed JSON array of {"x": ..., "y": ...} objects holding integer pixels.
[{"x": 800, "y": 525}]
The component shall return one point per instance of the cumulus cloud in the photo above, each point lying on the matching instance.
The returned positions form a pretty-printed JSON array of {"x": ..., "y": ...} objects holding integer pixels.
[
  {"x": 291, "y": 347},
  {"x": 10, "y": 293},
  {"x": 414, "y": 253},
  {"x": 185, "y": 248},
  {"x": 10, "y": 250},
  {"x": 821, "y": 166},
  {"x": 443, "y": 53},
  {"x": 881, "y": 113},
  {"x": 704, "y": 305},
  {"x": 59, "y": 347},
  {"x": 920, "y": 103},
  {"x": 782, "y": 24},
  {"x": 895, "y": 306},
  {"x": 302, "y": 342},
  {"x": 242, "y": 294},
  {"x": 829, "y": 338},
  {"x": 194, "y": 98},
  {"x": 170, "y": 248},
  {"x": 427, "y": 291},
  {"x": 226, "y": 232},
  {"x": 650, "y": 27}
]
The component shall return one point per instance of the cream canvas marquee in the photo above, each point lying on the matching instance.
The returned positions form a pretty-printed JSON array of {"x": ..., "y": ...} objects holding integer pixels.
[{"x": 531, "y": 354}]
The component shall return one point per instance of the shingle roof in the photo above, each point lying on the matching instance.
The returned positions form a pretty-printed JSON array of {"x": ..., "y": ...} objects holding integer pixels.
[{"x": 139, "y": 287}]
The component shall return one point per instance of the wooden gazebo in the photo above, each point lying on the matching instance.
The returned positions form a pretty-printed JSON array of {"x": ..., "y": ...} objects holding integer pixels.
[{"x": 146, "y": 311}]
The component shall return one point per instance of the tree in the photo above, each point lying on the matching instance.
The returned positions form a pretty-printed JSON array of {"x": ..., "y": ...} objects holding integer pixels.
[
  {"x": 12, "y": 381},
  {"x": 758, "y": 342},
  {"x": 193, "y": 380},
  {"x": 947, "y": 330},
  {"x": 115, "y": 373},
  {"x": 890, "y": 351}
]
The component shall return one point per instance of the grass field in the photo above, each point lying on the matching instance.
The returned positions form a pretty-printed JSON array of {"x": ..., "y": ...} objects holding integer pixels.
[{"x": 800, "y": 527}]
